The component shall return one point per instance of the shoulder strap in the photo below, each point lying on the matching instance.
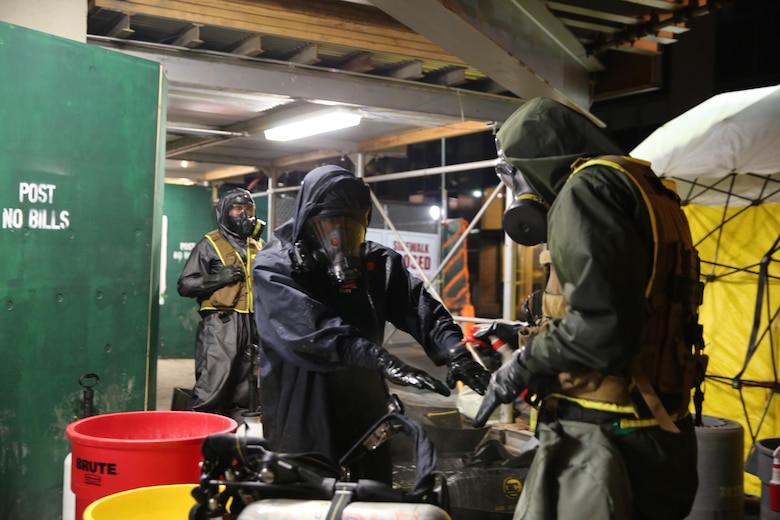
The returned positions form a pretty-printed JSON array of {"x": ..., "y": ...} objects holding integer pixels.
[
  {"x": 651, "y": 188},
  {"x": 225, "y": 251}
]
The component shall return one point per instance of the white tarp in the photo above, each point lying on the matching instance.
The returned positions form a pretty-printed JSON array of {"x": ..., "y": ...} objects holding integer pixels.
[
  {"x": 725, "y": 155},
  {"x": 731, "y": 142}
]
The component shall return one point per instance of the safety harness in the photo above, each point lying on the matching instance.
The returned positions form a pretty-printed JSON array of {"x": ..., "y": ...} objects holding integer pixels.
[
  {"x": 670, "y": 359},
  {"x": 236, "y": 297}
]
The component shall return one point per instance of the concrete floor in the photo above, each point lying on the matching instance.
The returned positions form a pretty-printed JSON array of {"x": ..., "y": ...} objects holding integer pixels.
[{"x": 173, "y": 373}]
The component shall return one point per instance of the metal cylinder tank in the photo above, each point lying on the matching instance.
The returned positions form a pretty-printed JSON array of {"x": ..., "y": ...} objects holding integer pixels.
[
  {"x": 290, "y": 509},
  {"x": 759, "y": 463},
  {"x": 721, "y": 450}
]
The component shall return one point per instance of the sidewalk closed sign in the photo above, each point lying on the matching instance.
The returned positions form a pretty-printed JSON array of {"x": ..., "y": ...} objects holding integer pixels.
[{"x": 424, "y": 247}]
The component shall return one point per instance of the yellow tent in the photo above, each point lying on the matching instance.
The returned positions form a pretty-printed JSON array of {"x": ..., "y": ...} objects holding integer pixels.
[{"x": 724, "y": 156}]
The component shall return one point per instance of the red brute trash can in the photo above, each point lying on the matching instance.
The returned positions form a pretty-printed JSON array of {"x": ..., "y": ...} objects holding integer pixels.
[{"x": 121, "y": 451}]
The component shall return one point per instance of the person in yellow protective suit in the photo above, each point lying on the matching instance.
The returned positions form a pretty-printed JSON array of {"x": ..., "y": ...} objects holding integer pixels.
[
  {"x": 217, "y": 275},
  {"x": 612, "y": 365}
]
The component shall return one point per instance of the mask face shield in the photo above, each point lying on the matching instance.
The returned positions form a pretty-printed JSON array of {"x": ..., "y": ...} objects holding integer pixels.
[
  {"x": 242, "y": 220},
  {"x": 525, "y": 220},
  {"x": 338, "y": 240}
]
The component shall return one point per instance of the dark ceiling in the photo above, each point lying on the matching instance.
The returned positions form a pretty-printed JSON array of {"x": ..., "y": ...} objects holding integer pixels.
[{"x": 416, "y": 70}]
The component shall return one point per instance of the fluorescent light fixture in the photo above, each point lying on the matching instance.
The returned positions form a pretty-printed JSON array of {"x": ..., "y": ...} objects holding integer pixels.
[{"x": 317, "y": 124}]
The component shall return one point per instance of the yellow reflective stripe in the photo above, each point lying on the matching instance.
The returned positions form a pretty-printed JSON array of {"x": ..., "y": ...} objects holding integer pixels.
[
  {"x": 597, "y": 405},
  {"x": 216, "y": 248},
  {"x": 250, "y": 255},
  {"x": 647, "y": 423},
  {"x": 247, "y": 278},
  {"x": 625, "y": 423},
  {"x": 240, "y": 311},
  {"x": 531, "y": 196},
  {"x": 649, "y": 206}
]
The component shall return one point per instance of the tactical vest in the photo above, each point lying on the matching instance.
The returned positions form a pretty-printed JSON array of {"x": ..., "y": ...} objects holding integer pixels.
[
  {"x": 237, "y": 296},
  {"x": 670, "y": 358}
]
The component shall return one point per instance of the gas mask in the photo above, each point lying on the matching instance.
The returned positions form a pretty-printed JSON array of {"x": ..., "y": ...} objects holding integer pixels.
[
  {"x": 241, "y": 219},
  {"x": 335, "y": 242},
  {"x": 525, "y": 220}
]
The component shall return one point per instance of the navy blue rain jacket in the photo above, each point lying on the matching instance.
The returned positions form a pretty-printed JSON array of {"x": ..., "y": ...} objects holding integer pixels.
[{"x": 321, "y": 390}]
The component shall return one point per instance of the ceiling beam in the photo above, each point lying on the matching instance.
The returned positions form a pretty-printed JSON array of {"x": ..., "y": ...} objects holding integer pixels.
[
  {"x": 121, "y": 28},
  {"x": 305, "y": 158},
  {"x": 517, "y": 43},
  {"x": 388, "y": 142},
  {"x": 189, "y": 37},
  {"x": 229, "y": 173},
  {"x": 226, "y": 72},
  {"x": 339, "y": 23},
  {"x": 252, "y": 46},
  {"x": 450, "y": 76},
  {"x": 422, "y": 135},
  {"x": 680, "y": 14},
  {"x": 306, "y": 54},
  {"x": 357, "y": 62},
  {"x": 405, "y": 70}
]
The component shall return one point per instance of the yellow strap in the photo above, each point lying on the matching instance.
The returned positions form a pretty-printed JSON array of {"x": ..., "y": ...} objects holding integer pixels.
[
  {"x": 602, "y": 406},
  {"x": 648, "y": 205},
  {"x": 625, "y": 423},
  {"x": 216, "y": 248},
  {"x": 655, "y": 405},
  {"x": 240, "y": 311},
  {"x": 647, "y": 423}
]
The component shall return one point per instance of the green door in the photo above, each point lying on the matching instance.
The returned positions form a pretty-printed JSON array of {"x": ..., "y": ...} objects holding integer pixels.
[{"x": 81, "y": 182}]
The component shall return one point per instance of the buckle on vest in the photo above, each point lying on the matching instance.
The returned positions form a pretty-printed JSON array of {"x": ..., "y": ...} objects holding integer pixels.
[
  {"x": 617, "y": 429},
  {"x": 686, "y": 291}
]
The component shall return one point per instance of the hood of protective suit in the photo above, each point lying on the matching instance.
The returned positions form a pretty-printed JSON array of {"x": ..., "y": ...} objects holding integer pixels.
[
  {"x": 543, "y": 138},
  {"x": 228, "y": 199},
  {"x": 329, "y": 226},
  {"x": 330, "y": 190}
]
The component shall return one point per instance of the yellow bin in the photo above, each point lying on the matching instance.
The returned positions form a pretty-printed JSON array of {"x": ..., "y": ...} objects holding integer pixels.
[{"x": 170, "y": 502}]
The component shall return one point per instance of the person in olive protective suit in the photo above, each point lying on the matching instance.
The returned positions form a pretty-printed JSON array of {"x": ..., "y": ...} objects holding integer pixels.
[
  {"x": 217, "y": 275},
  {"x": 612, "y": 362},
  {"x": 326, "y": 295}
]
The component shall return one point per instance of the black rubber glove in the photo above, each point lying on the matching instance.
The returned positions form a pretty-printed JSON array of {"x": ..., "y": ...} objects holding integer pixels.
[
  {"x": 504, "y": 331},
  {"x": 400, "y": 373},
  {"x": 225, "y": 275},
  {"x": 464, "y": 368},
  {"x": 506, "y": 383}
]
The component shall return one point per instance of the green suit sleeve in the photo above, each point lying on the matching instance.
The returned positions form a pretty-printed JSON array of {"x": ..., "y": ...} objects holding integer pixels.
[{"x": 601, "y": 247}]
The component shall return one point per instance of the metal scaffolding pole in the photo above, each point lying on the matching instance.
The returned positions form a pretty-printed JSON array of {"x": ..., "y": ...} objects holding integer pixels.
[{"x": 508, "y": 299}]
